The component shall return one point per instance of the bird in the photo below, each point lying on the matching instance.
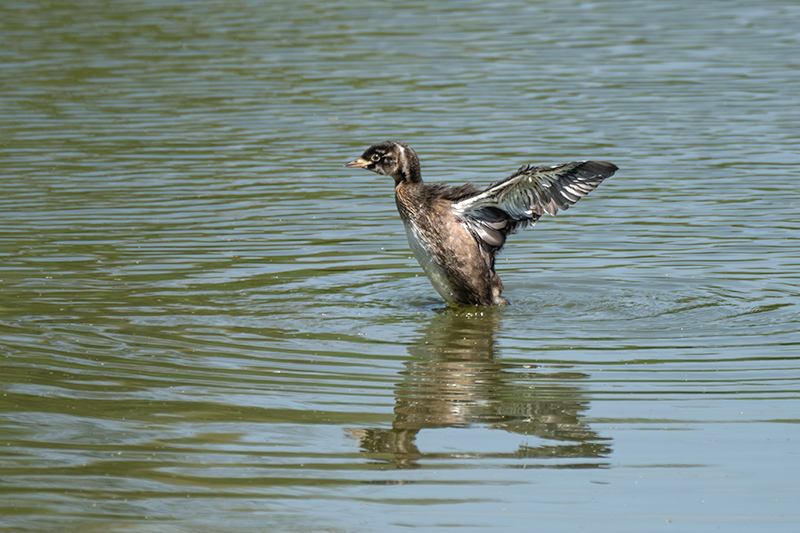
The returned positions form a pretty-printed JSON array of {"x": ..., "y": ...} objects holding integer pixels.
[{"x": 455, "y": 232}]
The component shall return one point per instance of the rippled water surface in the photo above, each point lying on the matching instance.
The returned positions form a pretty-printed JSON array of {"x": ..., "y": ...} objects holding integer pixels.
[{"x": 207, "y": 324}]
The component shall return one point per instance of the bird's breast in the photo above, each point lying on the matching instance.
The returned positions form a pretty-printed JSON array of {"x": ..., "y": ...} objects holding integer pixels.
[{"x": 428, "y": 258}]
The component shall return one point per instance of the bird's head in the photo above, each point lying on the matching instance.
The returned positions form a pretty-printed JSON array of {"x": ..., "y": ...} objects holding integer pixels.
[{"x": 390, "y": 158}]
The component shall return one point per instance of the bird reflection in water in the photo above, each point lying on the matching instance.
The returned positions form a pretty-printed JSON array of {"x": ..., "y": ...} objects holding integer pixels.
[{"x": 453, "y": 380}]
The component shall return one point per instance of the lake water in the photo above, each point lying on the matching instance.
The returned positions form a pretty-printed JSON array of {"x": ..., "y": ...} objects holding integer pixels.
[{"x": 208, "y": 324}]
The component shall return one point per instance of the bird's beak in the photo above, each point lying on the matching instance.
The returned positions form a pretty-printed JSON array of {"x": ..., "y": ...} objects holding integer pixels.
[{"x": 357, "y": 163}]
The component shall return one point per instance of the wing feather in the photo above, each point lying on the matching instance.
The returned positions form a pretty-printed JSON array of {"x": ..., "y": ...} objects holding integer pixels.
[
  {"x": 522, "y": 198},
  {"x": 533, "y": 191}
]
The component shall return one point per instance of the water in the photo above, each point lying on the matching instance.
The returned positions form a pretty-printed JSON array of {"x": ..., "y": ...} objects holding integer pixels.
[{"x": 207, "y": 324}]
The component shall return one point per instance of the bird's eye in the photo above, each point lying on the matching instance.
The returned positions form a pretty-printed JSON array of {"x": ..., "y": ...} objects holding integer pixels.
[{"x": 376, "y": 157}]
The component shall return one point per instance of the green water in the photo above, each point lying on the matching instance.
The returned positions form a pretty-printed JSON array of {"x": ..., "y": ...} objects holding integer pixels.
[{"x": 208, "y": 324}]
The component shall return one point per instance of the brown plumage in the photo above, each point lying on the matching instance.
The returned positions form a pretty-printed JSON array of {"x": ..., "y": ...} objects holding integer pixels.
[{"x": 455, "y": 232}]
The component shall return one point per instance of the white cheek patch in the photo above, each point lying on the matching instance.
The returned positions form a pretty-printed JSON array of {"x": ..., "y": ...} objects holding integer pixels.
[{"x": 402, "y": 160}]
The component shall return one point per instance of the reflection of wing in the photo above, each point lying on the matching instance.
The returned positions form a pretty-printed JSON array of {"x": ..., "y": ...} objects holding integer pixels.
[{"x": 538, "y": 190}]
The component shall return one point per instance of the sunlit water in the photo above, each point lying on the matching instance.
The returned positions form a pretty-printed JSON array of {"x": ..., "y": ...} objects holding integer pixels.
[{"x": 207, "y": 324}]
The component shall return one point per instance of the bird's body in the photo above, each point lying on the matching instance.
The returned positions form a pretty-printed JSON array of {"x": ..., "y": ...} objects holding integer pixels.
[{"x": 455, "y": 232}]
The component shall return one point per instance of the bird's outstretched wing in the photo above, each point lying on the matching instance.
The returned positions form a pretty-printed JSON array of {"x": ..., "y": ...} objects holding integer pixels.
[
  {"x": 526, "y": 195},
  {"x": 541, "y": 189}
]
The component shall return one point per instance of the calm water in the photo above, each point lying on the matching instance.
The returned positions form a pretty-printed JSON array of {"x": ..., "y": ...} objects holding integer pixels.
[{"x": 207, "y": 324}]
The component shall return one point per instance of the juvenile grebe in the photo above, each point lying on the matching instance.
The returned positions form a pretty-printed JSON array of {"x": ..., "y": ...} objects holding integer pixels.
[{"x": 455, "y": 232}]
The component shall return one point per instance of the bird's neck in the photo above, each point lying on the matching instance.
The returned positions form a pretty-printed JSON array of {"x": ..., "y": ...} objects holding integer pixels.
[
  {"x": 408, "y": 168},
  {"x": 410, "y": 197}
]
